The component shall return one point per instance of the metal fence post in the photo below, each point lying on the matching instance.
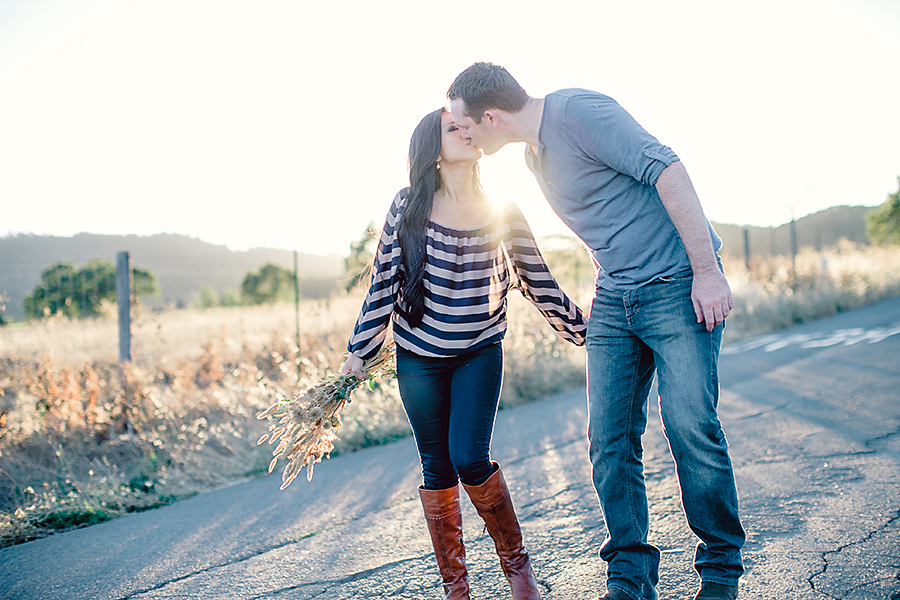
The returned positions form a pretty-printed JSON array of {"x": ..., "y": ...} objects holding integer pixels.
[
  {"x": 747, "y": 248},
  {"x": 297, "y": 296},
  {"x": 793, "y": 254},
  {"x": 123, "y": 300}
]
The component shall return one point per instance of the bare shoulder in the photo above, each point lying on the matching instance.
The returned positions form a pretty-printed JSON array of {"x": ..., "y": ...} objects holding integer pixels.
[{"x": 509, "y": 211}]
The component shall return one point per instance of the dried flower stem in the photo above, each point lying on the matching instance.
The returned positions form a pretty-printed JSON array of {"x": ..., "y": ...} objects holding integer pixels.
[{"x": 305, "y": 428}]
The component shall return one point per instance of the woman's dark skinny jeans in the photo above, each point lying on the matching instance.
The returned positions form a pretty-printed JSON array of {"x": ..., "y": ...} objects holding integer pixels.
[{"x": 451, "y": 404}]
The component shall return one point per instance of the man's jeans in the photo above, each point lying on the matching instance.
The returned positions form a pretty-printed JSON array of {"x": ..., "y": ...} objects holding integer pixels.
[{"x": 631, "y": 335}]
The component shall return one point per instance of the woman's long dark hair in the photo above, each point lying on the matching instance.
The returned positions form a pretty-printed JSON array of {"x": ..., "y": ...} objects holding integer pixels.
[{"x": 424, "y": 181}]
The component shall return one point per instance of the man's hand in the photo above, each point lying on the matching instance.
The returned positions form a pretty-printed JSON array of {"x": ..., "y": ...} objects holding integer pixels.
[
  {"x": 353, "y": 365},
  {"x": 710, "y": 294},
  {"x": 712, "y": 298}
]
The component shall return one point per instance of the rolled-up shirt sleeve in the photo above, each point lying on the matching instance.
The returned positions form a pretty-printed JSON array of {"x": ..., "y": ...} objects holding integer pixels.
[{"x": 608, "y": 134}]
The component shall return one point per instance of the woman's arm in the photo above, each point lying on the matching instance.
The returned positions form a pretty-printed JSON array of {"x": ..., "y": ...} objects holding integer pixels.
[
  {"x": 375, "y": 315},
  {"x": 537, "y": 283}
]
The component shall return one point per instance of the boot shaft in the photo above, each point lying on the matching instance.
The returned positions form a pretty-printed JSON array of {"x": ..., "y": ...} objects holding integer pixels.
[
  {"x": 494, "y": 505},
  {"x": 444, "y": 519}
]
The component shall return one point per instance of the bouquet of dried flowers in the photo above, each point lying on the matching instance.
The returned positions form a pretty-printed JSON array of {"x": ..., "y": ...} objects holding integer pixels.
[{"x": 306, "y": 427}]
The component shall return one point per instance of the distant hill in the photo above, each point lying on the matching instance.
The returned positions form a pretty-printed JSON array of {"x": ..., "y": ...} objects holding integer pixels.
[
  {"x": 183, "y": 264},
  {"x": 818, "y": 230}
]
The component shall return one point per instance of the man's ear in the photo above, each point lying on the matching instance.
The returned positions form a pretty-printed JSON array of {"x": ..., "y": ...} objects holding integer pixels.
[{"x": 493, "y": 117}]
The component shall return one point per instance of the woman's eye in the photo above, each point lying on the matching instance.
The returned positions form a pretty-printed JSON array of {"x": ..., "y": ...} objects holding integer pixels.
[{"x": 452, "y": 129}]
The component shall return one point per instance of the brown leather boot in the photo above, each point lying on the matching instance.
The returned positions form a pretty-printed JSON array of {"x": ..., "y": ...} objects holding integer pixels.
[
  {"x": 492, "y": 501},
  {"x": 445, "y": 526}
]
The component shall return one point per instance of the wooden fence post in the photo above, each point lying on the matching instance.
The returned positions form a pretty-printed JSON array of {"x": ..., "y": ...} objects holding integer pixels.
[{"x": 123, "y": 300}]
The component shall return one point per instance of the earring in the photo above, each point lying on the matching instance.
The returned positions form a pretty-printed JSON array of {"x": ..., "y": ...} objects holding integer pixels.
[{"x": 437, "y": 165}]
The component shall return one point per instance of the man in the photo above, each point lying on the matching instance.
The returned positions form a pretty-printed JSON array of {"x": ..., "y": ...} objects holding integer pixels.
[{"x": 660, "y": 305}]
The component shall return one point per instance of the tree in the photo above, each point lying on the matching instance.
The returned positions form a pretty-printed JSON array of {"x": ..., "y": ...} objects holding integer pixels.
[
  {"x": 230, "y": 298},
  {"x": 208, "y": 296},
  {"x": 56, "y": 294},
  {"x": 270, "y": 284},
  {"x": 358, "y": 264},
  {"x": 65, "y": 289},
  {"x": 883, "y": 223}
]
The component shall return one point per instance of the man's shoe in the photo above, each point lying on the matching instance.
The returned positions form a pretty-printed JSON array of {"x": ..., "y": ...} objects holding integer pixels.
[
  {"x": 716, "y": 591},
  {"x": 615, "y": 594}
]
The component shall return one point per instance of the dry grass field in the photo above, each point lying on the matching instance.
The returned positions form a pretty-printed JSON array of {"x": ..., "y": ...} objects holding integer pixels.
[
  {"x": 84, "y": 440},
  {"x": 774, "y": 293}
]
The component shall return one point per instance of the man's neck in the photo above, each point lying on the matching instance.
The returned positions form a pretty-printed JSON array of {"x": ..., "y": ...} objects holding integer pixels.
[{"x": 529, "y": 122}]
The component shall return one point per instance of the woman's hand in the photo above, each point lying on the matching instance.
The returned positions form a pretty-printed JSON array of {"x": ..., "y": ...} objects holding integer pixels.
[{"x": 353, "y": 365}]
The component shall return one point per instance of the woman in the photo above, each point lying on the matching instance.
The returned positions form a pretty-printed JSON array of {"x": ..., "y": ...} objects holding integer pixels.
[{"x": 441, "y": 274}]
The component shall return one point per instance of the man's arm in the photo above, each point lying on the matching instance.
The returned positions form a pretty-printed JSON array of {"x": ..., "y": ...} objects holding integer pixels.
[{"x": 711, "y": 294}]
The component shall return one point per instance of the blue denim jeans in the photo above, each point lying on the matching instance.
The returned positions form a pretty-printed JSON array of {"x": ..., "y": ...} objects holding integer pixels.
[
  {"x": 451, "y": 404},
  {"x": 631, "y": 336}
]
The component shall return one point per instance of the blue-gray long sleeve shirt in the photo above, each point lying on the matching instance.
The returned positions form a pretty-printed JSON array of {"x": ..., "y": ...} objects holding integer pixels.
[{"x": 598, "y": 170}]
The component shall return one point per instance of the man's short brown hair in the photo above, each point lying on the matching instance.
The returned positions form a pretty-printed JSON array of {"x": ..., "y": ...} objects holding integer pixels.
[{"x": 484, "y": 86}]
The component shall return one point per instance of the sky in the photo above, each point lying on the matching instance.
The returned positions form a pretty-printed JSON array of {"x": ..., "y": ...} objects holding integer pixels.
[{"x": 286, "y": 123}]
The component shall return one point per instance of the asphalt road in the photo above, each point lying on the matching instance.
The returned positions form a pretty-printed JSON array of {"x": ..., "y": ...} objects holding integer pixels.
[{"x": 812, "y": 416}]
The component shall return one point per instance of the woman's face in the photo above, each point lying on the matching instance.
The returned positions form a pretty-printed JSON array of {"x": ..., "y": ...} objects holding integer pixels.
[{"x": 454, "y": 147}]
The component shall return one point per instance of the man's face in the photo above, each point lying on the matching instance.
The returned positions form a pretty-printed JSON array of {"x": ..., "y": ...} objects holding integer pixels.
[{"x": 483, "y": 135}]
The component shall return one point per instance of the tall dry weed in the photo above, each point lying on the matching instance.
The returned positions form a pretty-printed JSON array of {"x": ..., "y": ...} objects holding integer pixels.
[
  {"x": 537, "y": 362},
  {"x": 83, "y": 439},
  {"x": 80, "y": 443},
  {"x": 777, "y": 292}
]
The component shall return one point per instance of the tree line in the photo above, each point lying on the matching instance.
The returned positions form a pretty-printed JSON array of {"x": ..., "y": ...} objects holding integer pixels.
[
  {"x": 74, "y": 292},
  {"x": 82, "y": 292}
]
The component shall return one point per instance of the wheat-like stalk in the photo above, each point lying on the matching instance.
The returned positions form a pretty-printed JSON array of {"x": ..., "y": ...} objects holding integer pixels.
[{"x": 306, "y": 427}]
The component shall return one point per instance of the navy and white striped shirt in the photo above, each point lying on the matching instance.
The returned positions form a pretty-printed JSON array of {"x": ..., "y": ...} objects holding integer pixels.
[{"x": 467, "y": 277}]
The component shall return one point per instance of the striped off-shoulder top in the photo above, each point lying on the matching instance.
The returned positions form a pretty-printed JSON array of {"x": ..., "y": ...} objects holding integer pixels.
[{"x": 467, "y": 276}]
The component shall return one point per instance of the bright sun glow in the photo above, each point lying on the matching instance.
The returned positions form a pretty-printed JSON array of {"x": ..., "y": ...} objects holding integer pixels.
[{"x": 286, "y": 125}]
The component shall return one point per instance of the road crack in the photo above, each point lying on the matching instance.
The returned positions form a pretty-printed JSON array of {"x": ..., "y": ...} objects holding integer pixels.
[
  {"x": 251, "y": 555},
  {"x": 544, "y": 450},
  {"x": 353, "y": 577},
  {"x": 350, "y": 578},
  {"x": 881, "y": 438},
  {"x": 825, "y": 564}
]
